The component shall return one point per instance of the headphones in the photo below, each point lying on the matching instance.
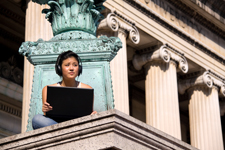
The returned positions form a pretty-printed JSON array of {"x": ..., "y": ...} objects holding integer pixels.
[{"x": 66, "y": 55}]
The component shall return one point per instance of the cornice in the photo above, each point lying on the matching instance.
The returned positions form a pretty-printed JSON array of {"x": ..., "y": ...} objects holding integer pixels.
[
  {"x": 12, "y": 37},
  {"x": 10, "y": 109},
  {"x": 144, "y": 10},
  {"x": 212, "y": 7},
  {"x": 124, "y": 18},
  {"x": 199, "y": 18},
  {"x": 10, "y": 14},
  {"x": 11, "y": 89}
]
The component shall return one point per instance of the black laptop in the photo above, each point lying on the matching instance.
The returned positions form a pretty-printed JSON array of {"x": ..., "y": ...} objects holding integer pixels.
[{"x": 69, "y": 102}]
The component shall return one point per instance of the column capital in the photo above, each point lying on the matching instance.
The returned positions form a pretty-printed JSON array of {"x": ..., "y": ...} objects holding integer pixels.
[
  {"x": 164, "y": 53},
  {"x": 116, "y": 21},
  {"x": 208, "y": 78}
]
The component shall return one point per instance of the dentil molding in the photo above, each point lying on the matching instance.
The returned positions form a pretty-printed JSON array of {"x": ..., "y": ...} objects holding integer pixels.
[
  {"x": 113, "y": 22},
  {"x": 164, "y": 53}
]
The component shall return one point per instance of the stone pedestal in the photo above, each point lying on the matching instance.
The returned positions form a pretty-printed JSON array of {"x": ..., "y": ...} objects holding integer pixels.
[
  {"x": 106, "y": 130},
  {"x": 36, "y": 27},
  {"x": 162, "y": 109},
  {"x": 205, "y": 123}
]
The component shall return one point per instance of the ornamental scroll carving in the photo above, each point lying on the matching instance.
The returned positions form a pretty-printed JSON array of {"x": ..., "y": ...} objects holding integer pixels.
[
  {"x": 163, "y": 53},
  {"x": 113, "y": 22},
  {"x": 207, "y": 78}
]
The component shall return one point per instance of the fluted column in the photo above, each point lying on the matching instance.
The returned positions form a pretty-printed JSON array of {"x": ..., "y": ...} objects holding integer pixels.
[
  {"x": 119, "y": 74},
  {"x": 162, "y": 108},
  {"x": 204, "y": 110},
  {"x": 118, "y": 65},
  {"x": 36, "y": 27}
]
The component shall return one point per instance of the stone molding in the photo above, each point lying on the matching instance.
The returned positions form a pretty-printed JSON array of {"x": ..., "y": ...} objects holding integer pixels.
[
  {"x": 105, "y": 130},
  {"x": 11, "y": 89},
  {"x": 165, "y": 54},
  {"x": 212, "y": 7},
  {"x": 208, "y": 79},
  {"x": 198, "y": 17},
  {"x": 148, "y": 12},
  {"x": 113, "y": 22},
  {"x": 15, "y": 111},
  {"x": 14, "y": 16},
  {"x": 10, "y": 36}
]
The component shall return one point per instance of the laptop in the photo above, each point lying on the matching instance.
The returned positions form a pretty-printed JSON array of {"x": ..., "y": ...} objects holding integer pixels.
[{"x": 69, "y": 102}]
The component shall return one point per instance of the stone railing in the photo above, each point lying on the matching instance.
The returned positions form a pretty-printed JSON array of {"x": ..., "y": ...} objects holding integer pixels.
[{"x": 106, "y": 130}]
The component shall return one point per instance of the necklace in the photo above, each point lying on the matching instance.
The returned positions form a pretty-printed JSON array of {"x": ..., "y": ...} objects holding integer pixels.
[{"x": 75, "y": 85}]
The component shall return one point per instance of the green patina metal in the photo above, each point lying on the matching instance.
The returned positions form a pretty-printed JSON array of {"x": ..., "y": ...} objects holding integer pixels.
[{"x": 74, "y": 24}]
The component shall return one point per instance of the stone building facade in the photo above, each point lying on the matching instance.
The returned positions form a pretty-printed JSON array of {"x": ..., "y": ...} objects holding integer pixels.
[{"x": 169, "y": 74}]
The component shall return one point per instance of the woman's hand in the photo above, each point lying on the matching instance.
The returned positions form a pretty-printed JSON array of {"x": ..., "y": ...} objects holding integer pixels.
[
  {"x": 94, "y": 112},
  {"x": 46, "y": 107}
]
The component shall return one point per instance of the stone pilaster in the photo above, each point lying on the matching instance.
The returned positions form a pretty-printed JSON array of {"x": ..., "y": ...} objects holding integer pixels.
[
  {"x": 36, "y": 27},
  {"x": 204, "y": 110},
  {"x": 162, "y": 109},
  {"x": 123, "y": 28}
]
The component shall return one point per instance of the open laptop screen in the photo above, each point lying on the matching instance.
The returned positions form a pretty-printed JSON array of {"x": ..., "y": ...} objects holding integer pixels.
[{"x": 69, "y": 102}]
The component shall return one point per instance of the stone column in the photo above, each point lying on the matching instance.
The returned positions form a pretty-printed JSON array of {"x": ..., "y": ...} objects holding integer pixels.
[
  {"x": 36, "y": 27},
  {"x": 119, "y": 74},
  {"x": 204, "y": 110},
  {"x": 118, "y": 65},
  {"x": 162, "y": 108}
]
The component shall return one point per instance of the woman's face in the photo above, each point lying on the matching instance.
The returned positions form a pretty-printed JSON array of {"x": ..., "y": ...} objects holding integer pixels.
[{"x": 70, "y": 68}]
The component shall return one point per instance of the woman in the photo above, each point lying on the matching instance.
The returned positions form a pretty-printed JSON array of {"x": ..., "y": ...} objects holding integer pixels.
[{"x": 67, "y": 66}]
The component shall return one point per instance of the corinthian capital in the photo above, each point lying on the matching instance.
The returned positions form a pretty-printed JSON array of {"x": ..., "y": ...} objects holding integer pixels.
[
  {"x": 115, "y": 21},
  {"x": 208, "y": 78},
  {"x": 163, "y": 53}
]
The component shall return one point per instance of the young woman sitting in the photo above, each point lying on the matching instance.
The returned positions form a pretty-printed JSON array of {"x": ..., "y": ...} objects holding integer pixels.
[{"x": 68, "y": 67}]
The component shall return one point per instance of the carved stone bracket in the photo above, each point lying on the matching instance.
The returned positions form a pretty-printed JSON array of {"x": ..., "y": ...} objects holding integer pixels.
[
  {"x": 113, "y": 22},
  {"x": 163, "y": 53},
  {"x": 207, "y": 78}
]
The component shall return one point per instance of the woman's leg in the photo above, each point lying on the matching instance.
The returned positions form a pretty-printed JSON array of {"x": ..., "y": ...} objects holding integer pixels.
[{"x": 40, "y": 121}]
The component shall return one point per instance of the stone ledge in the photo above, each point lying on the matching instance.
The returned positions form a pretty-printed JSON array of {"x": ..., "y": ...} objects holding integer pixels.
[{"x": 110, "y": 129}]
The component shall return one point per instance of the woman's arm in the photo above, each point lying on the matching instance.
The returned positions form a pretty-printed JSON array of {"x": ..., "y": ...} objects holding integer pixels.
[{"x": 89, "y": 87}]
